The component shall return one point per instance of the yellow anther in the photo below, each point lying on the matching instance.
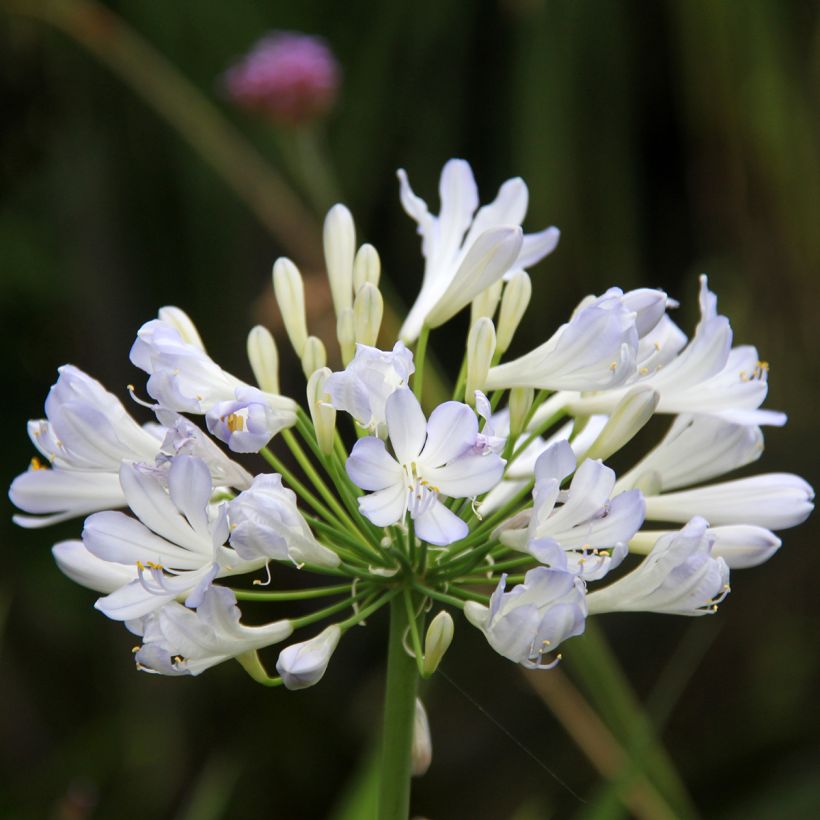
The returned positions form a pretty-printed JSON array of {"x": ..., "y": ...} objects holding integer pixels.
[
  {"x": 135, "y": 649},
  {"x": 153, "y": 565},
  {"x": 235, "y": 422},
  {"x": 140, "y": 566},
  {"x": 644, "y": 371},
  {"x": 36, "y": 464},
  {"x": 658, "y": 346},
  {"x": 613, "y": 366}
]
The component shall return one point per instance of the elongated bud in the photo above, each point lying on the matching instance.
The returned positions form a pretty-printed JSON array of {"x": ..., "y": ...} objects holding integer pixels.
[
  {"x": 514, "y": 303},
  {"x": 346, "y": 334},
  {"x": 290, "y": 295},
  {"x": 489, "y": 258},
  {"x": 303, "y": 664},
  {"x": 264, "y": 358},
  {"x": 631, "y": 413},
  {"x": 437, "y": 641},
  {"x": 486, "y": 302},
  {"x": 313, "y": 356},
  {"x": 181, "y": 322},
  {"x": 322, "y": 412},
  {"x": 340, "y": 245},
  {"x": 367, "y": 267},
  {"x": 421, "y": 753},
  {"x": 368, "y": 308},
  {"x": 480, "y": 349},
  {"x": 521, "y": 399}
]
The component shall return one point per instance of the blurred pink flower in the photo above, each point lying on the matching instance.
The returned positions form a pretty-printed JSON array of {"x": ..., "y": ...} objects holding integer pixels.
[{"x": 292, "y": 78}]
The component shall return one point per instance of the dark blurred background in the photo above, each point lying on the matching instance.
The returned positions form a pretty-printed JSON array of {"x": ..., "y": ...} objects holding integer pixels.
[{"x": 664, "y": 139}]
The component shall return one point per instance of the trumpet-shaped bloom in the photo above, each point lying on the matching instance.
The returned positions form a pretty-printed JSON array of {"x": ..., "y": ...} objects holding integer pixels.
[
  {"x": 680, "y": 576},
  {"x": 178, "y": 641},
  {"x": 265, "y": 523},
  {"x": 707, "y": 377},
  {"x": 696, "y": 449},
  {"x": 246, "y": 424},
  {"x": 432, "y": 458},
  {"x": 176, "y": 545},
  {"x": 304, "y": 664},
  {"x": 595, "y": 350},
  {"x": 534, "y": 618},
  {"x": 363, "y": 387},
  {"x": 184, "y": 378},
  {"x": 588, "y": 531},
  {"x": 86, "y": 569},
  {"x": 86, "y": 435},
  {"x": 448, "y": 239}
]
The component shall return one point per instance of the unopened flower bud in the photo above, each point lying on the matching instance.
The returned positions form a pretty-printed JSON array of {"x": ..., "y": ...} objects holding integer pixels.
[
  {"x": 313, "y": 356},
  {"x": 631, "y": 413},
  {"x": 181, "y": 322},
  {"x": 264, "y": 358},
  {"x": 367, "y": 267},
  {"x": 289, "y": 77},
  {"x": 340, "y": 245},
  {"x": 303, "y": 664},
  {"x": 514, "y": 303},
  {"x": 437, "y": 641},
  {"x": 368, "y": 308},
  {"x": 290, "y": 295},
  {"x": 480, "y": 349},
  {"x": 322, "y": 412},
  {"x": 346, "y": 334},
  {"x": 421, "y": 753},
  {"x": 520, "y": 402},
  {"x": 486, "y": 302}
]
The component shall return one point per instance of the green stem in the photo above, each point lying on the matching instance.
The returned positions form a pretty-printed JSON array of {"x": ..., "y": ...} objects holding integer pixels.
[
  {"x": 420, "y": 355},
  {"x": 293, "y": 595},
  {"x": 399, "y": 716}
]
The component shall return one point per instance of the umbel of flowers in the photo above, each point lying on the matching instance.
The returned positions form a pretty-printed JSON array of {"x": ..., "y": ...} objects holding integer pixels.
[{"x": 496, "y": 504}]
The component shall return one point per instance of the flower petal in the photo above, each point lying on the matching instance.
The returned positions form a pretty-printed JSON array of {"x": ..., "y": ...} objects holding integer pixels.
[
  {"x": 451, "y": 429},
  {"x": 385, "y": 507},
  {"x": 406, "y": 425},
  {"x": 371, "y": 467},
  {"x": 437, "y": 525}
]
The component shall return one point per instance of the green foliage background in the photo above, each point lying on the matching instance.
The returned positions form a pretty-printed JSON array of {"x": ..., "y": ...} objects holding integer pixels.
[{"x": 664, "y": 139}]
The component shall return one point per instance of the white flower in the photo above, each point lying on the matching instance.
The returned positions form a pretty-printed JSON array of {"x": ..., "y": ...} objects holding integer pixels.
[
  {"x": 304, "y": 664},
  {"x": 265, "y": 523},
  {"x": 363, "y": 387},
  {"x": 579, "y": 534},
  {"x": 85, "y": 437},
  {"x": 184, "y": 378},
  {"x": 448, "y": 238},
  {"x": 740, "y": 545},
  {"x": 176, "y": 545},
  {"x": 86, "y": 569},
  {"x": 596, "y": 349},
  {"x": 707, "y": 377},
  {"x": 534, "y": 618},
  {"x": 248, "y": 422},
  {"x": 179, "y": 641},
  {"x": 772, "y": 500},
  {"x": 680, "y": 576},
  {"x": 432, "y": 458},
  {"x": 696, "y": 449}
]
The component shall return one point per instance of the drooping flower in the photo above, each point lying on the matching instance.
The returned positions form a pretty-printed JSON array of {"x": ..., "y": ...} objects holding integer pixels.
[
  {"x": 680, "y": 576},
  {"x": 177, "y": 543},
  {"x": 265, "y": 523},
  {"x": 432, "y": 458},
  {"x": 290, "y": 77},
  {"x": 587, "y": 533},
  {"x": 534, "y": 618},
  {"x": 363, "y": 387},
  {"x": 184, "y": 378},
  {"x": 447, "y": 239},
  {"x": 87, "y": 433},
  {"x": 304, "y": 664},
  {"x": 180, "y": 641}
]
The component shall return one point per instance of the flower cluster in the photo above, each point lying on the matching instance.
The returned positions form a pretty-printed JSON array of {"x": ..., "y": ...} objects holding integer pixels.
[{"x": 498, "y": 502}]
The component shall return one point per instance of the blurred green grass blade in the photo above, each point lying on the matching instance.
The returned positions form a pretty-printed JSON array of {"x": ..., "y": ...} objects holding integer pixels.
[
  {"x": 360, "y": 798},
  {"x": 595, "y": 667},
  {"x": 210, "y": 798}
]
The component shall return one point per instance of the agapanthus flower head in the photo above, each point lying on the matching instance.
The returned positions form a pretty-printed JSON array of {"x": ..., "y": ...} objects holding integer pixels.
[
  {"x": 289, "y": 77},
  {"x": 447, "y": 504}
]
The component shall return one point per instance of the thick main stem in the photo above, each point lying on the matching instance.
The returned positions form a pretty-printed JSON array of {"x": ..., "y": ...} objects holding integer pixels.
[{"x": 399, "y": 714}]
